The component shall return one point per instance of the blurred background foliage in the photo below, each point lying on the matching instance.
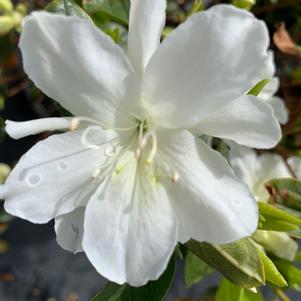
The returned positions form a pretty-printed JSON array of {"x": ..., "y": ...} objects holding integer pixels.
[{"x": 20, "y": 100}]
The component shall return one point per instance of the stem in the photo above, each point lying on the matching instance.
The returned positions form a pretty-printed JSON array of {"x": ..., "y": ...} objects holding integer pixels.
[{"x": 280, "y": 293}]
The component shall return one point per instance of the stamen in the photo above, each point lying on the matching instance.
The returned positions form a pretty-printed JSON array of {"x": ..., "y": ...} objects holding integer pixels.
[
  {"x": 140, "y": 141},
  {"x": 154, "y": 149},
  {"x": 75, "y": 122},
  {"x": 145, "y": 138},
  {"x": 175, "y": 177},
  {"x": 140, "y": 136}
]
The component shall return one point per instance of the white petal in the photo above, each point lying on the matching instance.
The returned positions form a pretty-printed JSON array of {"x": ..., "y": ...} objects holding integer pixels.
[
  {"x": 147, "y": 19},
  {"x": 211, "y": 203},
  {"x": 269, "y": 166},
  {"x": 279, "y": 108},
  {"x": 243, "y": 160},
  {"x": 280, "y": 244},
  {"x": 17, "y": 130},
  {"x": 130, "y": 230},
  {"x": 246, "y": 120},
  {"x": 54, "y": 177},
  {"x": 256, "y": 170},
  {"x": 76, "y": 64},
  {"x": 295, "y": 164},
  {"x": 69, "y": 230},
  {"x": 191, "y": 75}
]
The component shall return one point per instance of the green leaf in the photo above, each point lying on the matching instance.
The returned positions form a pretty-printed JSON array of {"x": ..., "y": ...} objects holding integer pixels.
[
  {"x": 5, "y": 217},
  {"x": 227, "y": 291},
  {"x": 115, "y": 10},
  {"x": 271, "y": 273},
  {"x": 298, "y": 256},
  {"x": 269, "y": 211},
  {"x": 244, "y": 4},
  {"x": 273, "y": 224},
  {"x": 196, "y": 6},
  {"x": 195, "y": 269},
  {"x": 2, "y": 102},
  {"x": 258, "y": 87},
  {"x": 73, "y": 9},
  {"x": 286, "y": 192},
  {"x": 238, "y": 261},
  {"x": 153, "y": 290},
  {"x": 290, "y": 272}
]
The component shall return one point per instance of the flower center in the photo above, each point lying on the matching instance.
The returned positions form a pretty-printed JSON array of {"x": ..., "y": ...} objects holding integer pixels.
[
  {"x": 146, "y": 135},
  {"x": 96, "y": 137}
]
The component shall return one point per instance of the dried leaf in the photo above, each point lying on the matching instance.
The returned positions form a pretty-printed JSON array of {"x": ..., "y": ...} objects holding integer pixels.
[{"x": 284, "y": 42}]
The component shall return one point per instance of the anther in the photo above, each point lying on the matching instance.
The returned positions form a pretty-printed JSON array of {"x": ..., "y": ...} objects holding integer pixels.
[
  {"x": 175, "y": 177},
  {"x": 74, "y": 124}
]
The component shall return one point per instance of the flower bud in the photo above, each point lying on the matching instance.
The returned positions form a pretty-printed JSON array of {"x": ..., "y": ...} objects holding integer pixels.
[
  {"x": 7, "y": 23},
  {"x": 6, "y": 6},
  {"x": 21, "y": 9}
]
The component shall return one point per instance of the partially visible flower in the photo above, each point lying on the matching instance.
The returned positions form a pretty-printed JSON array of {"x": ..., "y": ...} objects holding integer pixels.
[
  {"x": 277, "y": 103},
  {"x": 255, "y": 170},
  {"x": 132, "y": 178}
]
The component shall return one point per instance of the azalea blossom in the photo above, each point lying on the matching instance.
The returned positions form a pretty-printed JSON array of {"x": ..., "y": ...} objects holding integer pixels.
[
  {"x": 255, "y": 171},
  {"x": 268, "y": 94},
  {"x": 131, "y": 178}
]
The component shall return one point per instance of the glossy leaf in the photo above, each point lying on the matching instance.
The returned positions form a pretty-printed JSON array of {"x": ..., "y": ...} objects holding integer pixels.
[
  {"x": 272, "y": 275},
  {"x": 269, "y": 211},
  {"x": 286, "y": 192},
  {"x": 153, "y": 290},
  {"x": 274, "y": 224},
  {"x": 290, "y": 272},
  {"x": 227, "y": 291},
  {"x": 195, "y": 269},
  {"x": 238, "y": 261},
  {"x": 69, "y": 7},
  {"x": 115, "y": 10}
]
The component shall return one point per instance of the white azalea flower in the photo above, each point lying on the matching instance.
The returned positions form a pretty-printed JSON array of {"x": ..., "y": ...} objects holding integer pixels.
[
  {"x": 268, "y": 95},
  {"x": 255, "y": 171},
  {"x": 132, "y": 178}
]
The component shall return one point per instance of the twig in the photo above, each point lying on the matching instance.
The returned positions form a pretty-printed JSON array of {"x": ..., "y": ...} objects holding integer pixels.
[{"x": 280, "y": 293}]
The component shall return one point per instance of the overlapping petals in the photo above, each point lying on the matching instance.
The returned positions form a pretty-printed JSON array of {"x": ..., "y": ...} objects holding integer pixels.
[
  {"x": 199, "y": 197},
  {"x": 127, "y": 206},
  {"x": 32, "y": 191},
  {"x": 197, "y": 70},
  {"x": 76, "y": 64}
]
